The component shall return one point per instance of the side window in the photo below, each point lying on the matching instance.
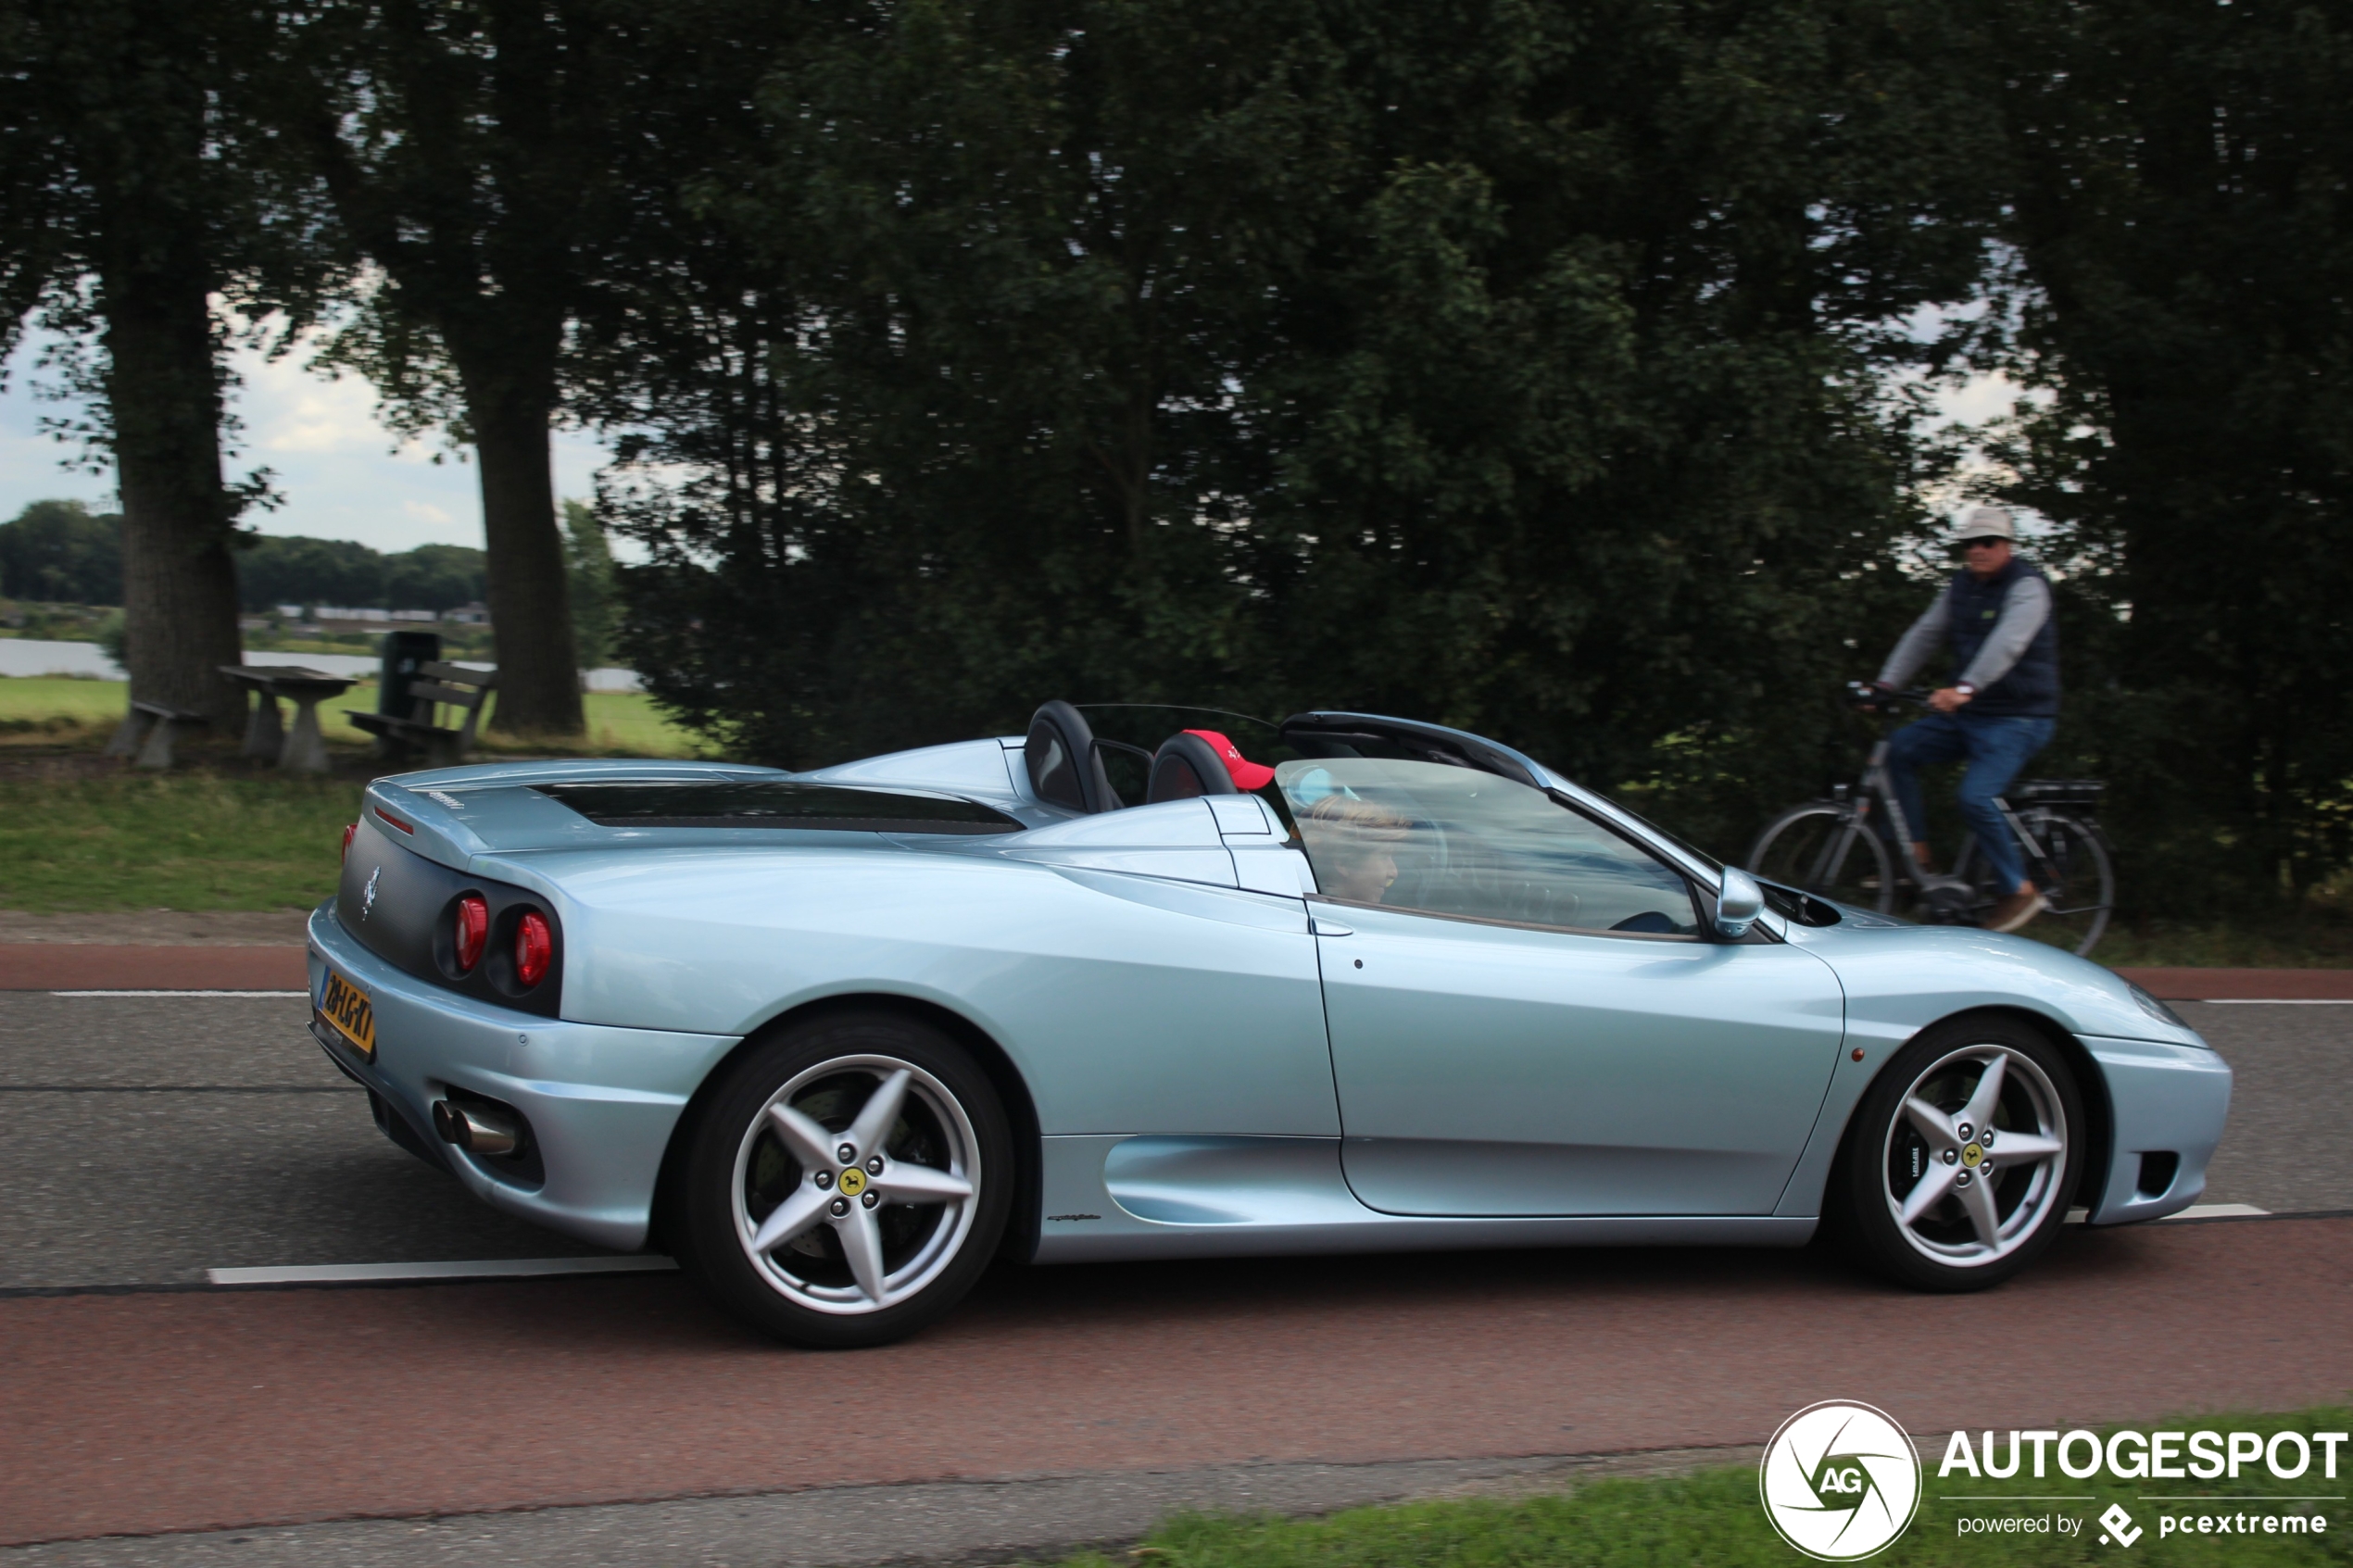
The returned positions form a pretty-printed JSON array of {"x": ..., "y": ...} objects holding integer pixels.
[{"x": 1451, "y": 841}]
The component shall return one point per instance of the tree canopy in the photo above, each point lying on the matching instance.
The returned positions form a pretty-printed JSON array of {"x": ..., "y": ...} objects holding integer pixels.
[
  {"x": 60, "y": 553},
  {"x": 2182, "y": 180},
  {"x": 1516, "y": 367},
  {"x": 1559, "y": 369}
]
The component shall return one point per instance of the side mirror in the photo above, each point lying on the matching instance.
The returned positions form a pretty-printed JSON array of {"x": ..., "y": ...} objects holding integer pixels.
[{"x": 1738, "y": 904}]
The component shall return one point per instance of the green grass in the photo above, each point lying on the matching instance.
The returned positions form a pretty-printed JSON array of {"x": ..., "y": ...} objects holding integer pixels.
[
  {"x": 185, "y": 840},
  {"x": 1714, "y": 1518},
  {"x": 620, "y": 724},
  {"x": 2324, "y": 940},
  {"x": 201, "y": 838},
  {"x": 56, "y": 707},
  {"x": 47, "y": 710}
]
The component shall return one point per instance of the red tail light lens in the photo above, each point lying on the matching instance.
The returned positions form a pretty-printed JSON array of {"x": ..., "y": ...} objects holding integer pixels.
[
  {"x": 471, "y": 932},
  {"x": 349, "y": 831},
  {"x": 535, "y": 947}
]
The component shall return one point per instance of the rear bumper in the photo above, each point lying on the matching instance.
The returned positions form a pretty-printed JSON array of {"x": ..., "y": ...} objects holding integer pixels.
[
  {"x": 2163, "y": 1100},
  {"x": 602, "y": 1101}
]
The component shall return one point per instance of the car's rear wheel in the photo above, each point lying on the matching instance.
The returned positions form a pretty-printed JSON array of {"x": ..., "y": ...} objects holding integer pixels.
[
  {"x": 847, "y": 1180},
  {"x": 1963, "y": 1156}
]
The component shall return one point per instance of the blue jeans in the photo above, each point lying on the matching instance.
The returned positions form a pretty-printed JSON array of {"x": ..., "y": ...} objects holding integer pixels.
[{"x": 1996, "y": 749}]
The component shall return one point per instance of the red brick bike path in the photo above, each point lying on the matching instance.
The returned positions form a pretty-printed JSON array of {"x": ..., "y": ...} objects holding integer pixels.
[
  {"x": 140, "y": 1413},
  {"x": 93, "y": 966}
]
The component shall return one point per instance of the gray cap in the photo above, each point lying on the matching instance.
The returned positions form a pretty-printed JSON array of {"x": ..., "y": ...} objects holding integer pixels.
[{"x": 1987, "y": 523}]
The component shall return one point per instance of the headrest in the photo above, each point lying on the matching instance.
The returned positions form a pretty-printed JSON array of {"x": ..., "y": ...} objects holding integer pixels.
[
  {"x": 1065, "y": 768},
  {"x": 1186, "y": 765}
]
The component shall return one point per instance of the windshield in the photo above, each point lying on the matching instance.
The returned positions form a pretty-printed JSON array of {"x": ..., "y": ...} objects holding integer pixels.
[
  {"x": 1676, "y": 839},
  {"x": 1457, "y": 841}
]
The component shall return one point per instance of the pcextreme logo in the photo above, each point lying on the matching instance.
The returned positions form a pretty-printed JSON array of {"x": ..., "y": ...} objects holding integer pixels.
[{"x": 1840, "y": 1480}]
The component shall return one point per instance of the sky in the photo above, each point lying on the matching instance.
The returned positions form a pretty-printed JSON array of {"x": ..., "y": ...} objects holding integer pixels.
[{"x": 344, "y": 476}]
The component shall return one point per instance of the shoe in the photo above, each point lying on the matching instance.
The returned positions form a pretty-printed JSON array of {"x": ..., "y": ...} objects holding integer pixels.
[{"x": 2015, "y": 910}]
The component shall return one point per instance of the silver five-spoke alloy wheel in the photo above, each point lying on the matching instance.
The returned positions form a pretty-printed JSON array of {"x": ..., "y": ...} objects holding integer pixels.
[
  {"x": 1974, "y": 1158},
  {"x": 854, "y": 1186}
]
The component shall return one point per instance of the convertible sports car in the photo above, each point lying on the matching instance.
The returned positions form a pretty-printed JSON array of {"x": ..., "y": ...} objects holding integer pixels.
[{"x": 837, "y": 1039}]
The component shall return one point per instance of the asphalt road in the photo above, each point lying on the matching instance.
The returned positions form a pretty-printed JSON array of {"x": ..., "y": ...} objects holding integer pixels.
[{"x": 142, "y": 1140}]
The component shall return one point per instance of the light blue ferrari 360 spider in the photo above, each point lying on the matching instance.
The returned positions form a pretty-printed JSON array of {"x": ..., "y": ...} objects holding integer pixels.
[{"x": 1153, "y": 982}]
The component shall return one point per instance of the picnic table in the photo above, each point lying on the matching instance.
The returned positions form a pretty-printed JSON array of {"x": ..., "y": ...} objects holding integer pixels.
[{"x": 302, "y": 749}]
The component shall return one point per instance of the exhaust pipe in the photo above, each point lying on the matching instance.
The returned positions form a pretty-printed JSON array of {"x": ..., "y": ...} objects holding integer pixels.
[{"x": 477, "y": 1128}]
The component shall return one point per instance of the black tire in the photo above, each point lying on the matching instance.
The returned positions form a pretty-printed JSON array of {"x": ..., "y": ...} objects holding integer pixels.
[
  {"x": 743, "y": 1167},
  {"x": 1829, "y": 850},
  {"x": 1887, "y": 1156},
  {"x": 2085, "y": 896}
]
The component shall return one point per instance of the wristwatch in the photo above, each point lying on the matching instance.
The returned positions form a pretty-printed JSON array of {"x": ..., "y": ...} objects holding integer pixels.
[{"x": 1964, "y": 688}]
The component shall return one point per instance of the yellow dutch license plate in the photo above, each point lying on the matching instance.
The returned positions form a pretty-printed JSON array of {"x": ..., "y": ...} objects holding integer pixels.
[{"x": 346, "y": 1008}]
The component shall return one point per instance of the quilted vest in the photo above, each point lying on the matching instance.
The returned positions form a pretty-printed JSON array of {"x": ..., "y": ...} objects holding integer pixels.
[{"x": 1972, "y": 605}]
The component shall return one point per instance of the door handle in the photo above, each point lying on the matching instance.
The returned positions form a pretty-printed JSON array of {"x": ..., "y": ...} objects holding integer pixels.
[{"x": 1331, "y": 928}]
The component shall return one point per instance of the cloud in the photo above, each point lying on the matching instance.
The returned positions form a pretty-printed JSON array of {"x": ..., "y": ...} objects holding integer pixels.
[{"x": 343, "y": 474}]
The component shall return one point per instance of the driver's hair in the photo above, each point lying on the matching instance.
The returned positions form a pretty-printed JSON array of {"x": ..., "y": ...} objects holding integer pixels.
[{"x": 1358, "y": 818}]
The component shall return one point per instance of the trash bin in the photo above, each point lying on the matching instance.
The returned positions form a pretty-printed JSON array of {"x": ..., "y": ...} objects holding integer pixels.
[{"x": 403, "y": 652}]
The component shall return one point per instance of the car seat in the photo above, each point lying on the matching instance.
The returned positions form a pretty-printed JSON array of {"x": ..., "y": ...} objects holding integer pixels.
[
  {"x": 1186, "y": 766},
  {"x": 1066, "y": 767}
]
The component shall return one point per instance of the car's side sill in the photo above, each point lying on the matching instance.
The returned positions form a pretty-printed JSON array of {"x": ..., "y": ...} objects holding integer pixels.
[{"x": 1116, "y": 1196}]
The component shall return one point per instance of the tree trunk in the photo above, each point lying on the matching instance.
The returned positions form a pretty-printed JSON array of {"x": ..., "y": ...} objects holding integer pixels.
[
  {"x": 178, "y": 580},
  {"x": 530, "y": 599}
]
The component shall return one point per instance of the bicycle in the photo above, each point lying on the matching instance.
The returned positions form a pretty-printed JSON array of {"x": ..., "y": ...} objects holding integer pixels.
[{"x": 1836, "y": 850}]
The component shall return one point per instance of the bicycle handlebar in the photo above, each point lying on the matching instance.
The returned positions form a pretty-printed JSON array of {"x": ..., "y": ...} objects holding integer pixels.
[{"x": 1870, "y": 698}]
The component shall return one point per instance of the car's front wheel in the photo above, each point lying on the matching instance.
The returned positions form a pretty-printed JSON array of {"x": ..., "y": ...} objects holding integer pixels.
[
  {"x": 847, "y": 1180},
  {"x": 1963, "y": 1156}
]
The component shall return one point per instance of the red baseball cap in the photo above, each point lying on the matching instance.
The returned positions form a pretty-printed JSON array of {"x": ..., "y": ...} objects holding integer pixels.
[{"x": 1247, "y": 775}]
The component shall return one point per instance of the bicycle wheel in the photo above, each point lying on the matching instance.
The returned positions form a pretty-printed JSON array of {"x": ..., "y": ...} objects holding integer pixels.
[
  {"x": 1829, "y": 850},
  {"x": 2078, "y": 879}
]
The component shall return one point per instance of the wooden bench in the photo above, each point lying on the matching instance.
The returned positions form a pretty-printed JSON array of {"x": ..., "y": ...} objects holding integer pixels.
[
  {"x": 147, "y": 733},
  {"x": 444, "y": 685}
]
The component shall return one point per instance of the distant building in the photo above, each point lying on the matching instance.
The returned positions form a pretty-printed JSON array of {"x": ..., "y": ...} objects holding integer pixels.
[{"x": 475, "y": 614}]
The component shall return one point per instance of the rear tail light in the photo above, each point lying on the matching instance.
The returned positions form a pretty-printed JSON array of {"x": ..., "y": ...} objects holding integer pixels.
[
  {"x": 535, "y": 947},
  {"x": 470, "y": 932},
  {"x": 349, "y": 831}
]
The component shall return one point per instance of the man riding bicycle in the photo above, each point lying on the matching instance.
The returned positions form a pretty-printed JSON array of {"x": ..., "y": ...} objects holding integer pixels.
[{"x": 1995, "y": 618}]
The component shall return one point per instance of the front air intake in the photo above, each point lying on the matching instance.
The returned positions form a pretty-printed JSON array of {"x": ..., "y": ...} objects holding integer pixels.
[{"x": 2156, "y": 1174}]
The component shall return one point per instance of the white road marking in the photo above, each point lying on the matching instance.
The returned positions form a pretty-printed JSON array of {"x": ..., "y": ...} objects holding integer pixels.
[
  {"x": 2195, "y": 1211},
  {"x": 179, "y": 993},
  {"x": 498, "y": 1268},
  {"x": 2278, "y": 1001}
]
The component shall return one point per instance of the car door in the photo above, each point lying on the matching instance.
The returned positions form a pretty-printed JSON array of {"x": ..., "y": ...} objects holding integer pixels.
[{"x": 1524, "y": 1018}]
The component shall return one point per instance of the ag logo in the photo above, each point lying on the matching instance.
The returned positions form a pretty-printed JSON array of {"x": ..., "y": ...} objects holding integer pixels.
[{"x": 1840, "y": 1481}]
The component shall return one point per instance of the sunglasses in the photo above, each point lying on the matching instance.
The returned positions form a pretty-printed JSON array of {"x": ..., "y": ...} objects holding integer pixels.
[{"x": 1988, "y": 543}]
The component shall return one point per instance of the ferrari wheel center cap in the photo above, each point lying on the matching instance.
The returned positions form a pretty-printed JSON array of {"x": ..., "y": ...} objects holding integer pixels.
[
  {"x": 854, "y": 1182},
  {"x": 1970, "y": 1154}
]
